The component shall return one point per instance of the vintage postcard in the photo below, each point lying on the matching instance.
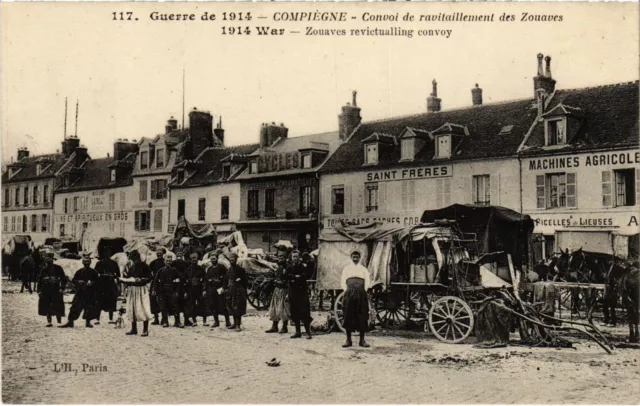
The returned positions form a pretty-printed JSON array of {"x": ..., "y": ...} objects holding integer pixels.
[{"x": 342, "y": 203}]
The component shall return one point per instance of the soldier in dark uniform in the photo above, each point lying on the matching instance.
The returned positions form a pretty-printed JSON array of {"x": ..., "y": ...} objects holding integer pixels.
[
  {"x": 297, "y": 274},
  {"x": 236, "y": 292},
  {"x": 194, "y": 288},
  {"x": 85, "y": 282},
  {"x": 167, "y": 288},
  {"x": 215, "y": 281},
  {"x": 28, "y": 267},
  {"x": 181, "y": 265},
  {"x": 109, "y": 273},
  {"x": 155, "y": 266},
  {"x": 51, "y": 284}
]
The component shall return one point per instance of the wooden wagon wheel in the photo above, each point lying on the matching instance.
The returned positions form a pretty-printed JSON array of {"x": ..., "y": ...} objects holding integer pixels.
[
  {"x": 257, "y": 295},
  {"x": 338, "y": 312},
  {"x": 392, "y": 311},
  {"x": 451, "y": 319}
]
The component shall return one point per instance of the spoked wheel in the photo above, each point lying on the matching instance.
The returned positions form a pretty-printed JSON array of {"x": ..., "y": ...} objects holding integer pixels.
[
  {"x": 259, "y": 295},
  {"x": 338, "y": 312},
  {"x": 451, "y": 319},
  {"x": 392, "y": 311}
]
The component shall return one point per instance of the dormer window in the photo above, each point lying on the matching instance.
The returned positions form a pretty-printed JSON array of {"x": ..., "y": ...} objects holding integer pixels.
[
  {"x": 160, "y": 158},
  {"x": 306, "y": 161},
  {"x": 407, "y": 149},
  {"x": 144, "y": 160},
  {"x": 226, "y": 171},
  {"x": 113, "y": 175},
  {"x": 38, "y": 169},
  {"x": 556, "y": 132},
  {"x": 371, "y": 154},
  {"x": 443, "y": 146},
  {"x": 253, "y": 167}
]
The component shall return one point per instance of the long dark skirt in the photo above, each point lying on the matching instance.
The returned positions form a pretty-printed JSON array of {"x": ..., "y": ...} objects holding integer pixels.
[
  {"x": 84, "y": 302},
  {"x": 356, "y": 306},
  {"x": 167, "y": 299},
  {"x": 51, "y": 302},
  {"x": 237, "y": 300},
  {"x": 107, "y": 294},
  {"x": 300, "y": 307},
  {"x": 195, "y": 302},
  {"x": 215, "y": 302}
]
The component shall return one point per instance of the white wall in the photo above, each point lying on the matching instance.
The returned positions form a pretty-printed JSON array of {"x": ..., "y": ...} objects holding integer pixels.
[{"x": 213, "y": 195}]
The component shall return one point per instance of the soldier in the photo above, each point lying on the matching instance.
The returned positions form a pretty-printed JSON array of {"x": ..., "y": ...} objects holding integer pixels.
[
  {"x": 194, "y": 289},
  {"x": 28, "y": 267},
  {"x": 297, "y": 275},
  {"x": 236, "y": 292},
  {"x": 51, "y": 284},
  {"x": 215, "y": 281},
  {"x": 84, "y": 301},
  {"x": 109, "y": 273},
  {"x": 279, "y": 307},
  {"x": 167, "y": 288},
  {"x": 138, "y": 307},
  {"x": 155, "y": 266},
  {"x": 181, "y": 265}
]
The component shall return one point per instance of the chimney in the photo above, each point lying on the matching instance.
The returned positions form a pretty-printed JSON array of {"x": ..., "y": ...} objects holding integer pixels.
[
  {"x": 23, "y": 153},
  {"x": 476, "y": 96},
  {"x": 69, "y": 145},
  {"x": 350, "y": 118},
  {"x": 81, "y": 155},
  {"x": 219, "y": 131},
  {"x": 433, "y": 102},
  {"x": 543, "y": 81},
  {"x": 122, "y": 148},
  {"x": 269, "y": 133},
  {"x": 172, "y": 125},
  {"x": 200, "y": 132}
]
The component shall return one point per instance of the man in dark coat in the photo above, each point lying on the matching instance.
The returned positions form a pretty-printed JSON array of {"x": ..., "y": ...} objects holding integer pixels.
[
  {"x": 194, "y": 288},
  {"x": 28, "y": 268},
  {"x": 236, "y": 292},
  {"x": 84, "y": 301},
  {"x": 51, "y": 284},
  {"x": 167, "y": 288},
  {"x": 297, "y": 275},
  {"x": 215, "y": 281},
  {"x": 181, "y": 265},
  {"x": 109, "y": 274},
  {"x": 155, "y": 266}
]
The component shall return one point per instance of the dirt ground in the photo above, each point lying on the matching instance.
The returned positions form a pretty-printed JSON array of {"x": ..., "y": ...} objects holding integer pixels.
[{"x": 200, "y": 365}]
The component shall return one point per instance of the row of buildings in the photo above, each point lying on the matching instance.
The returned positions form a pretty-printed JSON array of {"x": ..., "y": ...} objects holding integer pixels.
[{"x": 569, "y": 158}]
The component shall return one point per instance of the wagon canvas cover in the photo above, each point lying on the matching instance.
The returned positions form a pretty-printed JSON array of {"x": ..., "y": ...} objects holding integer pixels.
[{"x": 497, "y": 228}]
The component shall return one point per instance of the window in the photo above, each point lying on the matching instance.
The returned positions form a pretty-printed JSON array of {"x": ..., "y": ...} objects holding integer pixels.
[
  {"x": 122, "y": 200},
  {"x": 407, "y": 149},
  {"x": 481, "y": 190},
  {"x": 443, "y": 146},
  {"x": 66, "y": 205},
  {"x": 61, "y": 230},
  {"x": 44, "y": 223},
  {"x": 157, "y": 220},
  {"x": 143, "y": 190},
  {"x": 307, "y": 200},
  {"x": 13, "y": 223},
  {"x": 85, "y": 226},
  {"x": 142, "y": 220},
  {"x": 371, "y": 194},
  {"x": 606, "y": 188},
  {"x": 5, "y": 224},
  {"x": 25, "y": 198},
  {"x": 226, "y": 171},
  {"x": 270, "y": 203},
  {"x": 73, "y": 230},
  {"x": 306, "y": 161},
  {"x": 159, "y": 189},
  {"x": 34, "y": 221},
  {"x": 408, "y": 194},
  {"x": 337, "y": 200},
  {"x": 17, "y": 197},
  {"x": 253, "y": 209},
  {"x": 202, "y": 207},
  {"x": 76, "y": 205},
  {"x": 224, "y": 207},
  {"x": 24, "y": 224},
  {"x": 253, "y": 167},
  {"x": 45, "y": 194},
  {"x": 7, "y": 197},
  {"x": 112, "y": 201},
  {"x": 113, "y": 175},
  {"x": 160, "y": 158},
  {"x": 625, "y": 187},
  {"x": 180, "y": 208},
  {"x": 144, "y": 159},
  {"x": 556, "y": 190},
  {"x": 35, "y": 195},
  {"x": 371, "y": 154},
  {"x": 556, "y": 132}
]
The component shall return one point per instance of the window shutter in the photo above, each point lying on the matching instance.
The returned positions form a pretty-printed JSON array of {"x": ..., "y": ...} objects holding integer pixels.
[
  {"x": 327, "y": 193},
  {"x": 154, "y": 189},
  {"x": 137, "y": 220},
  {"x": 157, "y": 220},
  {"x": 470, "y": 189},
  {"x": 494, "y": 196},
  {"x": 358, "y": 201},
  {"x": 347, "y": 199},
  {"x": 439, "y": 193},
  {"x": 572, "y": 191},
  {"x": 143, "y": 190},
  {"x": 606, "y": 188},
  {"x": 540, "y": 192},
  {"x": 122, "y": 200},
  {"x": 382, "y": 197}
]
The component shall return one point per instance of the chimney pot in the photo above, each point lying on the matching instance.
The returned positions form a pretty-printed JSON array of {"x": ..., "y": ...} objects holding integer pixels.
[
  {"x": 433, "y": 102},
  {"x": 540, "y": 56},
  {"x": 350, "y": 118},
  {"x": 541, "y": 81},
  {"x": 476, "y": 96},
  {"x": 548, "y": 66},
  {"x": 354, "y": 95}
]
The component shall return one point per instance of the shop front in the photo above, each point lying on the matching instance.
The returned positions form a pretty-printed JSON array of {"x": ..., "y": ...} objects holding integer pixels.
[{"x": 303, "y": 234}]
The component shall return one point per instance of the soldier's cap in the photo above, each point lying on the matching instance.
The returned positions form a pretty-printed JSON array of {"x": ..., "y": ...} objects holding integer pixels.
[{"x": 161, "y": 249}]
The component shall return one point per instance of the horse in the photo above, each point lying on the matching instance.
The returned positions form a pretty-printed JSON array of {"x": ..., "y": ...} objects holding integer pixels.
[
  {"x": 549, "y": 268},
  {"x": 624, "y": 279},
  {"x": 588, "y": 267}
]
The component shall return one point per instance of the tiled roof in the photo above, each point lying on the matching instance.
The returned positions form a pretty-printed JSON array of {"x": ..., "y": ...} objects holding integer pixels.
[
  {"x": 608, "y": 118},
  {"x": 28, "y": 168},
  {"x": 208, "y": 165},
  {"x": 484, "y": 124},
  {"x": 96, "y": 174}
]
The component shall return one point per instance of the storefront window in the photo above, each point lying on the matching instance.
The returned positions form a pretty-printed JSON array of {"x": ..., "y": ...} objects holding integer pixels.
[
  {"x": 270, "y": 203},
  {"x": 253, "y": 210},
  {"x": 307, "y": 200},
  {"x": 142, "y": 220},
  {"x": 202, "y": 206},
  {"x": 224, "y": 207},
  {"x": 625, "y": 187},
  {"x": 337, "y": 200}
]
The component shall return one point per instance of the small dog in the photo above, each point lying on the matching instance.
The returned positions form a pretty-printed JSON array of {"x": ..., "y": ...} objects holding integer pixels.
[{"x": 120, "y": 320}]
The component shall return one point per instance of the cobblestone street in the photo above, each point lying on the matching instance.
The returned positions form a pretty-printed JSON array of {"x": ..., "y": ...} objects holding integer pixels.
[{"x": 200, "y": 365}]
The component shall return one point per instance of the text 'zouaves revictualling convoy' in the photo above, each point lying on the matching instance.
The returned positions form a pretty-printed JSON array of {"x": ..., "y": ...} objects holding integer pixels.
[{"x": 338, "y": 24}]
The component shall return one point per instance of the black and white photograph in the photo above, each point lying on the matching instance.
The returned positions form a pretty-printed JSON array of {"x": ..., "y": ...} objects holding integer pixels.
[{"x": 320, "y": 203}]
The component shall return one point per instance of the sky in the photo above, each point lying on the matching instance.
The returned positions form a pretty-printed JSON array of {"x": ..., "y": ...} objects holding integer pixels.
[{"x": 127, "y": 76}]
